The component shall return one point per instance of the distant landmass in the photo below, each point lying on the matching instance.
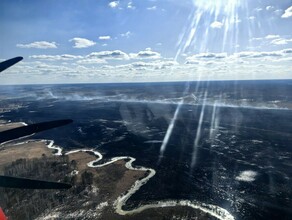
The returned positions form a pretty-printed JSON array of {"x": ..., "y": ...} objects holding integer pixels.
[{"x": 199, "y": 150}]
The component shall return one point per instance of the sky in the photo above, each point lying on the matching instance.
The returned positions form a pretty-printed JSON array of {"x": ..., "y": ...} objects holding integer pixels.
[{"x": 104, "y": 41}]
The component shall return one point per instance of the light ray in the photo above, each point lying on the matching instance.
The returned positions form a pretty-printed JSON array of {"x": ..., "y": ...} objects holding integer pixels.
[
  {"x": 193, "y": 38},
  {"x": 198, "y": 134},
  {"x": 171, "y": 124},
  {"x": 197, "y": 34},
  {"x": 169, "y": 130},
  {"x": 212, "y": 128}
]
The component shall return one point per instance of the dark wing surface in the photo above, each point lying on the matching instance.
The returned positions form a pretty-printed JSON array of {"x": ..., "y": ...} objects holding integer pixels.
[
  {"x": 8, "y": 63},
  {"x": 23, "y": 183},
  {"x": 23, "y": 131}
]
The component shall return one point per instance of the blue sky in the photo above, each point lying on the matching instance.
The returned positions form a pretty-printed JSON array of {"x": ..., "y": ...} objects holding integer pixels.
[{"x": 145, "y": 40}]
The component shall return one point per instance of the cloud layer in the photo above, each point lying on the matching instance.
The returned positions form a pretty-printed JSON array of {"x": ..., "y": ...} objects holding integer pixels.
[
  {"x": 38, "y": 45},
  {"x": 119, "y": 66}
]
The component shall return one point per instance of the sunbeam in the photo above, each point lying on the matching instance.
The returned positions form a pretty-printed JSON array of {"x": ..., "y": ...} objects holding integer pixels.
[
  {"x": 207, "y": 15},
  {"x": 171, "y": 124},
  {"x": 169, "y": 130},
  {"x": 212, "y": 128},
  {"x": 203, "y": 33},
  {"x": 198, "y": 134}
]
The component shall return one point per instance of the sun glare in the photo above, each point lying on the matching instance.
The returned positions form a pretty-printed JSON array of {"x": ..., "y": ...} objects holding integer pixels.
[
  {"x": 212, "y": 24},
  {"x": 216, "y": 4},
  {"x": 209, "y": 15}
]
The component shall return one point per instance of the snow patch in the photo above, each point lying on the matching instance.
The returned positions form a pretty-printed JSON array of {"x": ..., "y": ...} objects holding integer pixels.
[
  {"x": 74, "y": 172},
  {"x": 246, "y": 176},
  {"x": 101, "y": 206}
]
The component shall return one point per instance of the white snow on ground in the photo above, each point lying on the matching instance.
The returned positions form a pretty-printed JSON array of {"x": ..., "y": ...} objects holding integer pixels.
[
  {"x": 101, "y": 206},
  {"x": 246, "y": 176},
  {"x": 50, "y": 216}
]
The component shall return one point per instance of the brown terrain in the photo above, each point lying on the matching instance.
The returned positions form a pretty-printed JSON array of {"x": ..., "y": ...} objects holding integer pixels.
[
  {"x": 4, "y": 126},
  {"x": 29, "y": 150}
]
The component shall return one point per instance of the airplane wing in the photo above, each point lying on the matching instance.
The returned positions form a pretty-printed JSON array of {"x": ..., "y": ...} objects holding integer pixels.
[
  {"x": 23, "y": 131},
  {"x": 8, "y": 63},
  {"x": 11, "y": 134},
  {"x": 24, "y": 183}
]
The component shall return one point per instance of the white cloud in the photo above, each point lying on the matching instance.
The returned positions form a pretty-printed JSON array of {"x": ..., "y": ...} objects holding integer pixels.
[
  {"x": 281, "y": 41},
  {"x": 277, "y": 40},
  {"x": 120, "y": 55},
  {"x": 131, "y": 6},
  {"x": 55, "y": 57},
  {"x": 82, "y": 42},
  {"x": 271, "y": 36},
  {"x": 258, "y": 9},
  {"x": 288, "y": 13},
  {"x": 273, "y": 39},
  {"x": 115, "y": 54},
  {"x": 254, "y": 54},
  {"x": 211, "y": 55},
  {"x": 252, "y": 18},
  {"x": 256, "y": 39},
  {"x": 91, "y": 61},
  {"x": 38, "y": 45},
  {"x": 69, "y": 57},
  {"x": 104, "y": 37},
  {"x": 153, "y": 8},
  {"x": 114, "y": 4},
  {"x": 203, "y": 66},
  {"x": 127, "y": 34},
  {"x": 278, "y": 12},
  {"x": 270, "y": 8},
  {"x": 205, "y": 58},
  {"x": 159, "y": 64},
  {"x": 198, "y": 58},
  {"x": 287, "y": 51},
  {"x": 146, "y": 54},
  {"x": 216, "y": 25}
]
